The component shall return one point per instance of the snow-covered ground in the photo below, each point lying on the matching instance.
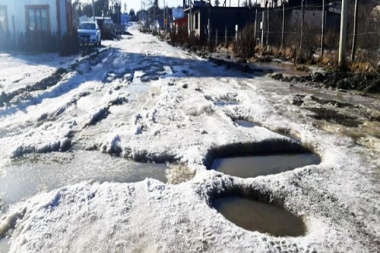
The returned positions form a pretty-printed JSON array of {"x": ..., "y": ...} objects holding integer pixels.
[
  {"x": 144, "y": 100},
  {"x": 19, "y": 70}
]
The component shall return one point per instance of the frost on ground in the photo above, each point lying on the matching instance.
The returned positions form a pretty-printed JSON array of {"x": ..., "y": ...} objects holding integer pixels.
[{"x": 144, "y": 100}]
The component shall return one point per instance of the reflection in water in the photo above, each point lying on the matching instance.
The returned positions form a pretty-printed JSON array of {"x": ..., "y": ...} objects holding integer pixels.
[
  {"x": 253, "y": 166},
  {"x": 257, "y": 216},
  {"x": 27, "y": 176}
]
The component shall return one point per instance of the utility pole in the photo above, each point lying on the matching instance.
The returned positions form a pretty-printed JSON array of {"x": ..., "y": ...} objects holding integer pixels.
[
  {"x": 262, "y": 26},
  {"x": 323, "y": 29},
  {"x": 283, "y": 24},
  {"x": 343, "y": 35},
  {"x": 267, "y": 41},
  {"x": 354, "y": 36},
  {"x": 255, "y": 30},
  {"x": 93, "y": 10},
  {"x": 190, "y": 19}
]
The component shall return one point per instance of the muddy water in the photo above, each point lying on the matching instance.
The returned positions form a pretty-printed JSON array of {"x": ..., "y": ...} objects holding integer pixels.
[
  {"x": 43, "y": 172},
  {"x": 282, "y": 68},
  {"x": 257, "y": 216},
  {"x": 253, "y": 166}
]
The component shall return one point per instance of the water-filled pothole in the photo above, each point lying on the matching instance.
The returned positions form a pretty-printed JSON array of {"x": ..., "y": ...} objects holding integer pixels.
[
  {"x": 262, "y": 158},
  {"x": 245, "y": 123},
  {"x": 252, "y": 166},
  {"x": 258, "y": 216},
  {"x": 34, "y": 173}
]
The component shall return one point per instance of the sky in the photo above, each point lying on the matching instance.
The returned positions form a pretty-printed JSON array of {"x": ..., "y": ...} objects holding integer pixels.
[{"x": 136, "y": 4}]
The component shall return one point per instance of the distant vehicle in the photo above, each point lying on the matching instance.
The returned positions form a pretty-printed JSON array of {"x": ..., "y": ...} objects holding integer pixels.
[
  {"x": 155, "y": 25},
  {"x": 119, "y": 29},
  {"x": 335, "y": 7},
  {"x": 107, "y": 27},
  {"x": 89, "y": 33}
]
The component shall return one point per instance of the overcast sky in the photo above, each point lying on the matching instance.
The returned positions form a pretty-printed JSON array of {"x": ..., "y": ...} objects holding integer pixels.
[{"x": 136, "y": 4}]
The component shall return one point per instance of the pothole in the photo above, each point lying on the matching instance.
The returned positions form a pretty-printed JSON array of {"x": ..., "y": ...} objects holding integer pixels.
[
  {"x": 258, "y": 216},
  {"x": 253, "y": 166},
  {"x": 245, "y": 123},
  {"x": 259, "y": 159},
  {"x": 34, "y": 173}
]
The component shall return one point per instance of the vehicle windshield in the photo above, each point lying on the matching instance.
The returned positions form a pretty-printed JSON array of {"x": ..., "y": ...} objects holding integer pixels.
[{"x": 87, "y": 26}]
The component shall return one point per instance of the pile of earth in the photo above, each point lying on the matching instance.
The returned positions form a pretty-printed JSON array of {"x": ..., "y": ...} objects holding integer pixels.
[{"x": 369, "y": 83}]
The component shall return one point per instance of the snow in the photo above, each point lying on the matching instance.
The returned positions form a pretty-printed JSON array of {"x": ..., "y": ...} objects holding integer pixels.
[
  {"x": 18, "y": 70},
  {"x": 145, "y": 100}
]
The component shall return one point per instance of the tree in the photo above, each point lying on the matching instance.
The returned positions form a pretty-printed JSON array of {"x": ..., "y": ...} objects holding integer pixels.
[
  {"x": 87, "y": 10},
  {"x": 132, "y": 13},
  {"x": 216, "y": 3}
]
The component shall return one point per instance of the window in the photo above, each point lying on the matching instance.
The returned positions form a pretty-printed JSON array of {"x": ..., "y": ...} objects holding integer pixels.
[
  {"x": 37, "y": 18},
  {"x": 3, "y": 19}
]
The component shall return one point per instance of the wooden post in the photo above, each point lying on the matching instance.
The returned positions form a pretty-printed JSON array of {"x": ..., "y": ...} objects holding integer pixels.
[
  {"x": 267, "y": 41},
  {"x": 283, "y": 24},
  {"x": 236, "y": 32},
  {"x": 323, "y": 29},
  {"x": 209, "y": 30},
  {"x": 225, "y": 37},
  {"x": 255, "y": 30},
  {"x": 216, "y": 38},
  {"x": 354, "y": 36},
  {"x": 302, "y": 20},
  {"x": 262, "y": 25}
]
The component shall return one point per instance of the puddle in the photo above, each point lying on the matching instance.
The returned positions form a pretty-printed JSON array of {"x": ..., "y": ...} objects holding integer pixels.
[
  {"x": 253, "y": 166},
  {"x": 44, "y": 172},
  {"x": 4, "y": 245},
  {"x": 258, "y": 216},
  {"x": 222, "y": 103},
  {"x": 282, "y": 68},
  {"x": 245, "y": 123},
  {"x": 137, "y": 86}
]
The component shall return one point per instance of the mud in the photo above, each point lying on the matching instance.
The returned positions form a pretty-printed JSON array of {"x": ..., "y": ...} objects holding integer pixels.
[
  {"x": 334, "y": 117},
  {"x": 346, "y": 114},
  {"x": 367, "y": 83}
]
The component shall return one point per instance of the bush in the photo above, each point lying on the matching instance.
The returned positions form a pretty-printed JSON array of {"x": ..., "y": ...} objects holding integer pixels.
[
  {"x": 245, "y": 45},
  {"x": 69, "y": 44}
]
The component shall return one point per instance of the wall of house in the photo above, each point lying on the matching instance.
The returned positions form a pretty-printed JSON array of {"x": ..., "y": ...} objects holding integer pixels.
[
  {"x": 314, "y": 19},
  {"x": 17, "y": 14},
  {"x": 63, "y": 17}
]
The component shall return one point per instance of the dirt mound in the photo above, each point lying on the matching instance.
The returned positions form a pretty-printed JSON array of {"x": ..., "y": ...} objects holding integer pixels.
[{"x": 369, "y": 83}]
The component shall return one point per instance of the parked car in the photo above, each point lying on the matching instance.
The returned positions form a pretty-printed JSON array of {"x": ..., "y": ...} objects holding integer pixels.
[
  {"x": 335, "y": 7},
  {"x": 89, "y": 33}
]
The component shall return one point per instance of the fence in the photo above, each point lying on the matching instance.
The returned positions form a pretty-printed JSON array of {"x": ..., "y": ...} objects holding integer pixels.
[{"x": 298, "y": 30}]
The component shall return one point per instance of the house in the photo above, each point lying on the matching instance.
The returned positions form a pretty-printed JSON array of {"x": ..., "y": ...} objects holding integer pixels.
[
  {"x": 294, "y": 3},
  {"x": 30, "y": 16},
  {"x": 180, "y": 25},
  {"x": 205, "y": 20}
]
